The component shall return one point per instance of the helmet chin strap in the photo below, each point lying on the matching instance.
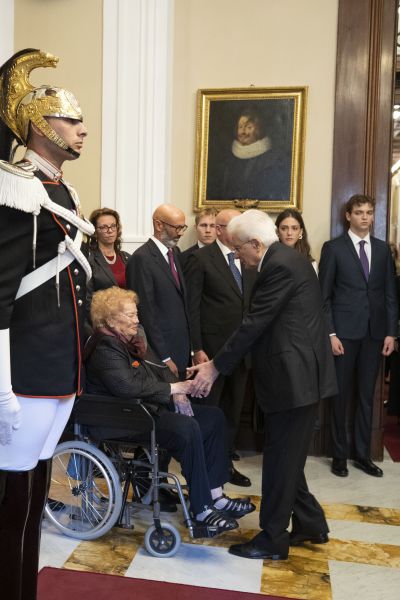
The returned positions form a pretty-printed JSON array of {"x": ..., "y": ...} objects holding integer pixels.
[
  {"x": 73, "y": 152},
  {"x": 53, "y": 136}
]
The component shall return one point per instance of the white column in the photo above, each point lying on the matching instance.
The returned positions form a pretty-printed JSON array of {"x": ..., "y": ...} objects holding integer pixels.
[
  {"x": 137, "y": 40},
  {"x": 6, "y": 30}
]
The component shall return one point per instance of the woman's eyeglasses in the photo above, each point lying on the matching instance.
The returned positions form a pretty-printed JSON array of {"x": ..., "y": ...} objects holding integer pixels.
[{"x": 107, "y": 228}]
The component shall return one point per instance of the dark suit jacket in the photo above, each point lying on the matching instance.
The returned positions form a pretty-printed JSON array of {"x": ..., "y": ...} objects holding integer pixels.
[
  {"x": 216, "y": 306},
  {"x": 162, "y": 306},
  {"x": 352, "y": 304},
  {"x": 286, "y": 332},
  {"x": 183, "y": 256},
  {"x": 102, "y": 276}
]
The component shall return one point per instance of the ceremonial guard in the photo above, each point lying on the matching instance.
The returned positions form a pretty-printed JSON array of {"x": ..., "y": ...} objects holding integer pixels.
[{"x": 43, "y": 276}]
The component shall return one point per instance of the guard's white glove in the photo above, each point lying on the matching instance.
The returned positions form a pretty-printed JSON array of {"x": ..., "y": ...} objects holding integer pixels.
[
  {"x": 10, "y": 416},
  {"x": 10, "y": 410}
]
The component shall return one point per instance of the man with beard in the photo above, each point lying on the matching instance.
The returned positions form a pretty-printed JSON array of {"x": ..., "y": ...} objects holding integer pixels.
[{"x": 154, "y": 273}]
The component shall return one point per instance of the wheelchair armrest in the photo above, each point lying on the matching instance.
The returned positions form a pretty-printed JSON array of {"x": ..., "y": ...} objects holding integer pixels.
[
  {"x": 106, "y": 398},
  {"x": 97, "y": 410}
]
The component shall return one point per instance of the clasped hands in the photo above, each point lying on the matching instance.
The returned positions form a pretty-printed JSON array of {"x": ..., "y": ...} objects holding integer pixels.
[{"x": 199, "y": 387}]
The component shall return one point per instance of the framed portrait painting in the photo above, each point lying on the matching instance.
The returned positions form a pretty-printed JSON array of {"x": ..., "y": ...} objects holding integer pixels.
[{"x": 250, "y": 148}]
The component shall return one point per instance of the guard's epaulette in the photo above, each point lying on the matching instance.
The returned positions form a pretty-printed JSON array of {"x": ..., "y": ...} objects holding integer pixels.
[{"x": 19, "y": 188}]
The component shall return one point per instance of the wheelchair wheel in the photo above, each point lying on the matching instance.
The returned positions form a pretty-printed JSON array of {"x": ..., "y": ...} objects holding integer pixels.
[
  {"x": 85, "y": 496},
  {"x": 164, "y": 543}
]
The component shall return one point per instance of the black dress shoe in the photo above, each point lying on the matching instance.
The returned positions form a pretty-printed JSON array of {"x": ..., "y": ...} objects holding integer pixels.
[
  {"x": 297, "y": 539},
  {"x": 235, "y": 456},
  {"x": 339, "y": 467},
  {"x": 255, "y": 549},
  {"x": 366, "y": 465},
  {"x": 168, "y": 496},
  {"x": 236, "y": 478}
]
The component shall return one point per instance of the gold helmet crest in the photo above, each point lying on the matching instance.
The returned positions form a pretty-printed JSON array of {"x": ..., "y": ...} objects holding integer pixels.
[{"x": 21, "y": 103}]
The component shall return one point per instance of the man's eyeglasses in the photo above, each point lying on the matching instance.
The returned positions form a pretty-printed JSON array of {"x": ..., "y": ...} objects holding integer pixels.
[
  {"x": 238, "y": 248},
  {"x": 107, "y": 228},
  {"x": 178, "y": 228}
]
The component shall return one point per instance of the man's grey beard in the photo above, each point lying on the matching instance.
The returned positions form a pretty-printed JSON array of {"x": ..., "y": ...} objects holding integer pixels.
[{"x": 167, "y": 241}]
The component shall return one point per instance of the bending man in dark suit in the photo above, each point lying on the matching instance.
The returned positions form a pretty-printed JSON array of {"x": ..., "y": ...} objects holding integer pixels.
[
  {"x": 359, "y": 294},
  {"x": 154, "y": 273},
  {"x": 217, "y": 302},
  {"x": 293, "y": 368}
]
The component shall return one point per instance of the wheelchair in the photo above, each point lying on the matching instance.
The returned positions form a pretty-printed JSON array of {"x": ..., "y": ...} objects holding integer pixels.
[{"x": 97, "y": 485}]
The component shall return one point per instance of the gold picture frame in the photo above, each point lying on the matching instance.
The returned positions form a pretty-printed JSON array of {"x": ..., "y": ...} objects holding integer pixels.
[{"x": 250, "y": 148}]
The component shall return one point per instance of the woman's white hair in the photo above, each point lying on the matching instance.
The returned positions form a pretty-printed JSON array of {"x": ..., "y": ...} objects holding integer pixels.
[{"x": 253, "y": 225}]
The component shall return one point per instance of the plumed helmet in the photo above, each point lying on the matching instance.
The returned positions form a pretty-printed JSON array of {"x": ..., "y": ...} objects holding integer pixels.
[{"x": 21, "y": 103}]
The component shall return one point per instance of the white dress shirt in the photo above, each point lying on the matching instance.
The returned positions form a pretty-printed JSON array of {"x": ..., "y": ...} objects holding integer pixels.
[
  {"x": 367, "y": 246},
  {"x": 225, "y": 251}
]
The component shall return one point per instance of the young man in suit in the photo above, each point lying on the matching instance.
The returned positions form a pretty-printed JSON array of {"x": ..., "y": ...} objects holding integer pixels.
[
  {"x": 154, "y": 273},
  {"x": 205, "y": 231},
  {"x": 359, "y": 294},
  {"x": 293, "y": 369},
  {"x": 217, "y": 301}
]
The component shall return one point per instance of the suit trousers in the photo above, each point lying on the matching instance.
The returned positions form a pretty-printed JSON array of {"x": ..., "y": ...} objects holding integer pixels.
[
  {"x": 360, "y": 363},
  {"x": 285, "y": 493},
  {"x": 198, "y": 443},
  {"x": 228, "y": 393}
]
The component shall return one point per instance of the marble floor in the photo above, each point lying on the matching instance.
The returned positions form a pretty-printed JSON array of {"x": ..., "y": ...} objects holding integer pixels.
[{"x": 361, "y": 561}]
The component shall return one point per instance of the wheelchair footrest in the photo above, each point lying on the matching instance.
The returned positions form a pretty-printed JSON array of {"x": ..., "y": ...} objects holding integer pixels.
[{"x": 204, "y": 531}]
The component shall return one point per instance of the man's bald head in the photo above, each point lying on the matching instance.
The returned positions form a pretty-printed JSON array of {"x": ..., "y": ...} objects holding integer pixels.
[
  {"x": 168, "y": 224},
  {"x": 221, "y": 222}
]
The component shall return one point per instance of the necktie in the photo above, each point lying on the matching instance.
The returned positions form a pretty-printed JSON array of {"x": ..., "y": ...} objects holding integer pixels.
[
  {"x": 364, "y": 259},
  {"x": 235, "y": 271},
  {"x": 172, "y": 266}
]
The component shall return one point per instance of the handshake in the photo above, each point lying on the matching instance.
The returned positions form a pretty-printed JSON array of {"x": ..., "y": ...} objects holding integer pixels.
[{"x": 205, "y": 374}]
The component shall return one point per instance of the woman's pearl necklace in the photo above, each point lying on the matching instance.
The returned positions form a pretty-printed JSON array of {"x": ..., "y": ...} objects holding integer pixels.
[{"x": 111, "y": 261}]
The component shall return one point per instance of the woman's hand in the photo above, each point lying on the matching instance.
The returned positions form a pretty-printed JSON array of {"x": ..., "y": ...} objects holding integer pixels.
[
  {"x": 182, "y": 405},
  {"x": 181, "y": 387}
]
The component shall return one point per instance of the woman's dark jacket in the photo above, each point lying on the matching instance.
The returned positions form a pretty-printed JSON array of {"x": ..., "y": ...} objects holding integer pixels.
[
  {"x": 102, "y": 276},
  {"x": 102, "y": 279},
  {"x": 111, "y": 369}
]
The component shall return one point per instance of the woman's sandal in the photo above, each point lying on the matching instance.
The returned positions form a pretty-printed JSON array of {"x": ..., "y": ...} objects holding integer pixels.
[
  {"x": 217, "y": 519},
  {"x": 235, "y": 507}
]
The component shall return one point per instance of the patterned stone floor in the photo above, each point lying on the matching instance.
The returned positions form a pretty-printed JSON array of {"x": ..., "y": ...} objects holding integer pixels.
[{"x": 361, "y": 561}]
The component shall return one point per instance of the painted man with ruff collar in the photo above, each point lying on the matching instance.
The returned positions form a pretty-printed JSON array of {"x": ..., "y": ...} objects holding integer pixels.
[
  {"x": 255, "y": 169},
  {"x": 43, "y": 276}
]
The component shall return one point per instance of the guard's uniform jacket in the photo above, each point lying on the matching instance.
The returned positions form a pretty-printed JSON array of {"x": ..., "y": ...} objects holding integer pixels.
[{"x": 45, "y": 324}]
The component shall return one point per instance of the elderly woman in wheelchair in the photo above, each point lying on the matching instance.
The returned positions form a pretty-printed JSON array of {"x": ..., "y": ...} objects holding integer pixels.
[{"x": 119, "y": 363}]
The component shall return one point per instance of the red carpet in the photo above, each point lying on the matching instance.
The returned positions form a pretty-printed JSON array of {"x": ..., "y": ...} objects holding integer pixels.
[
  {"x": 391, "y": 438},
  {"x": 62, "y": 584}
]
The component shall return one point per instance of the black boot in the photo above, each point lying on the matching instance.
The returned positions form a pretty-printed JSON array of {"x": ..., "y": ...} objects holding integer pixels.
[
  {"x": 30, "y": 565},
  {"x": 15, "y": 497}
]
